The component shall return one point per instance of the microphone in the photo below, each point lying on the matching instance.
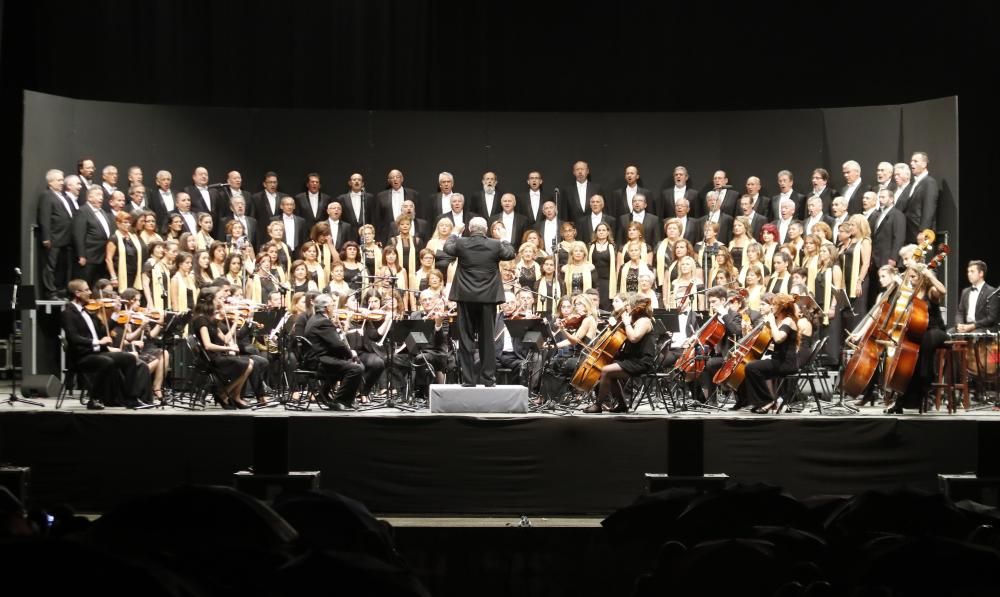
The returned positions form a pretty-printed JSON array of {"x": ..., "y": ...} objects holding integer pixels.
[
  {"x": 555, "y": 191},
  {"x": 217, "y": 185},
  {"x": 17, "y": 271}
]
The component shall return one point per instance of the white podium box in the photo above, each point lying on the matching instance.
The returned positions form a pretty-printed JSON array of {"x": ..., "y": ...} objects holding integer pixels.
[{"x": 453, "y": 398}]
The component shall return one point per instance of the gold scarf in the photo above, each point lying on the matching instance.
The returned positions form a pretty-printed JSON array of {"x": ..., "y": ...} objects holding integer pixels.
[
  {"x": 217, "y": 269},
  {"x": 201, "y": 242},
  {"x": 156, "y": 283},
  {"x": 549, "y": 289},
  {"x": 827, "y": 293},
  {"x": 661, "y": 262},
  {"x": 182, "y": 287},
  {"x": 623, "y": 274},
  {"x": 812, "y": 265},
  {"x": 855, "y": 270},
  {"x": 123, "y": 281},
  {"x": 254, "y": 290}
]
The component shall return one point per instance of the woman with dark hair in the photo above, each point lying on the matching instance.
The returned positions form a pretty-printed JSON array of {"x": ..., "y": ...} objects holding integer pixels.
[
  {"x": 175, "y": 227},
  {"x": 635, "y": 358},
  {"x": 350, "y": 258},
  {"x": 234, "y": 270},
  {"x": 217, "y": 252},
  {"x": 602, "y": 254},
  {"x": 217, "y": 339}
]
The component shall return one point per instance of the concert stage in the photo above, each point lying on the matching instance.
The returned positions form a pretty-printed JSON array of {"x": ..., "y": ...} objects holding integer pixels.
[{"x": 422, "y": 463}]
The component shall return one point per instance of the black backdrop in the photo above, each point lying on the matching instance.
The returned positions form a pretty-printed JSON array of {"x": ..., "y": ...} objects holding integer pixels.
[{"x": 422, "y": 144}]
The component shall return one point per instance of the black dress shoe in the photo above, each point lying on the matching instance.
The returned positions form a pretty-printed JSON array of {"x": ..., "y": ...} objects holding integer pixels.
[
  {"x": 335, "y": 405},
  {"x": 468, "y": 385},
  {"x": 491, "y": 384},
  {"x": 95, "y": 405},
  {"x": 593, "y": 409}
]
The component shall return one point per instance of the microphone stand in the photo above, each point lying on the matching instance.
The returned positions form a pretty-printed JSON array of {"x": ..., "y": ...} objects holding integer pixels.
[{"x": 12, "y": 398}]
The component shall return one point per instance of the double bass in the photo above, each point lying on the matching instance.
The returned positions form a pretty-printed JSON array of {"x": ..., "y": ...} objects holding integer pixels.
[{"x": 906, "y": 329}]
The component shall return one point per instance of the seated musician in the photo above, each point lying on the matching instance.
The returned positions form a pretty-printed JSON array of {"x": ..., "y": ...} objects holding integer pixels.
[
  {"x": 926, "y": 286},
  {"x": 115, "y": 377},
  {"x": 210, "y": 327},
  {"x": 435, "y": 357},
  {"x": 635, "y": 358},
  {"x": 510, "y": 354},
  {"x": 577, "y": 326},
  {"x": 138, "y": 337},
  {"x": 332, "y": 357},
  {"x": 368, "y": 338},
  {"x": 738, "y": 319},
  {"x": 243, "y": 329},
  {"x": 785, "y": 335},
  {"x": 977, "y": 309}
]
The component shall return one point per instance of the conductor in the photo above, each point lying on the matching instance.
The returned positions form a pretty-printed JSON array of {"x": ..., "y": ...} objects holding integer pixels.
[{"x": 477, "y": 290}]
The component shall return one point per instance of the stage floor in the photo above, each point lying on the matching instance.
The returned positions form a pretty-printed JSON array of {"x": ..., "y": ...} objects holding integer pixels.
[{"x": 536, "y": 464}]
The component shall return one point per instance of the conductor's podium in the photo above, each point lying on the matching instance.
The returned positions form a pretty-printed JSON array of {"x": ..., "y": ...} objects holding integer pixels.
[{"x": 453, "y": 398}]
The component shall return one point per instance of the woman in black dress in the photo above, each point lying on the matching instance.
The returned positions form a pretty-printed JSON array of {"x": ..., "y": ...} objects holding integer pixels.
[
  {"x": 785, "y": 335},
  {"x": 635, "y": 358},
  {"x": 123, "y": 255},
  {"x": 602, "y": 255},
  {"x": 221, "y": 348}
]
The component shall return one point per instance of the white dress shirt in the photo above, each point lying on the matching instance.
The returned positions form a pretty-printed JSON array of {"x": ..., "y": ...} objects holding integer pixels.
[
  {"x": 970, "y": 312},
  {"x": 168, "y": 200},
  {"x": 99, "y": 214},
  {"x": 206, "y": 197},
  {"x": 189, "y": 221},
  {"x": 356, "y": 205},
  {"x": 334, "y": 230},
  {"x": 95, "y": 339},
  {"x": 550, "y": 232},
  {"x": 536, "y": 199},
  {"x": 679, "y": 192},
  {"x": 783, "y": 229},
  {"x": 488, "y": 197},
  {"x": 445, "y": 203},
  {"x": 581, "y": 191},
  {"x": 595, "y": 219},
  {"x": 289, "y": 222},
  {"x": 397, "y": 197},
  {"x": 508, "y": 225},
  {"x": 313, "y": 203},
  {"x": 272, "y": 201}
]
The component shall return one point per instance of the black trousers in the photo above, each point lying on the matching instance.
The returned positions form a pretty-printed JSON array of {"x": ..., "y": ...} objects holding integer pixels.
[
  {"x": 55, "y": 269},
  {"x": 349, "y": 373},
  {"x": 473, "y": 319},
  {"x": 374, "y": 366},
  {"x": 116, "y": 377}
]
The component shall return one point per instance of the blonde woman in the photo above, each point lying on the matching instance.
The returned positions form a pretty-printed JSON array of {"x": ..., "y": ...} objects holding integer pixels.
[
  {"x": 634, "y": 233},
  {"x": 682, "y": 248},
  {"x": 723, "y": 262},
  {"x": 810, "y": 260},
  {"x": 855, "y": 259},
  {"x": 526, "y": 268},
  {"x": 628, "y": 275},
  {"x": 310, "y": 255},
  {"x": 741, "y": 240},
  {"x": 276, "y": 233},
  {"x": 548, "y": 287},
  {"x": 371, "y": 252},
  {"x": 753, "y": 255},
  {"x": 681, "y": 295},
  {"x": 753, "y": 281},
  {"x": 427, "y": 265},
  {"x": 408, "y": 248},
  {"x": 829, "y": 278},
  {"x": 531, "y": 236},
  {"x": 338, "y": 287},
  {"x": 646, "y": 289},
  {"x": 203, "y": 237},
  {"x": 578, "y": 275}
]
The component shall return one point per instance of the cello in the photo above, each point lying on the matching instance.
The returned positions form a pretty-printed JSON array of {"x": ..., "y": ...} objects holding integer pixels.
[
  {"x": 600, "y": 353},
  {"x": 750, "y": 347},
  {"x": 703, "y": 341},
  {"x": 907, "y": 328}
]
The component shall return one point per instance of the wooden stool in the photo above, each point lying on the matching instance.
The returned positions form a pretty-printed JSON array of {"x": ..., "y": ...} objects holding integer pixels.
[{"x": 952, "y": 374}]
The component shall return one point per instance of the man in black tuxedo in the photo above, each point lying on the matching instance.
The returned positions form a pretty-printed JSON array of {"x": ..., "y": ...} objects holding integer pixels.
[
  {"x": 340, "y": 231},
  {"x": 854, "y": 188},
  {"x": 728, "y": 199},
  {"x": 333, "y": 358},
  {"x": 921, "y": 213},
  {"x": 548, "y": 226},
  {"x": 757, "y": 220},
  {"x": 883, "y": 177},
  {"x": 514, "y": 223},
  {"x": 820, "y": 188},
  {"x": 162, "y": 198},
  {"x": 204, "y": 199},
  {"x": 239, "y": 207},
  {"x": 888, "y": 236},
  {"x": 840, "y": 215},
  {"x": 786, "y": 190},
  {"x": 759, "y": 203},
  {"x": 116, "y": 377},
  {"x": 358, "y": 204},
  {"x": 183, "y": 203},
  {"x": 690, "y": 227},
  {"x": 389, "y": 204},
  {"x": 786, "y": 216},
  {"x": 478, "y": 291},
  {"x": 651, "y": 228},
  {"x": 232, "y": 188},
  {"x": 576, "y": 199},
  {"x": 458, "y": 215},
  {"x": 621, "y": 198},
  {"x": 441, "y": 202},
  {"x": 311, "y": 205},
  {"x": 85, "y": 169},
  {"x": 714, "y": 214},
  {"x": 266, "y": 204},
  {"x": 92, "y": 227},
  {"x": 296, "y": 228},
  {"x": 976, "y": 310},
  {"x": 55, "y": 231},
  {"x": 109, "y": 183},
  {"x": 815, "y": 215},
  {"x": 665, "y": 207},
  {"x": 135, "y": 179},
  {"x": 586, "y": 224},
  {"x": 530, "y": 203},
  {"x": 137, "y": 200},
  {"x": 903, "y": 178},
  {"x": 486, "y": 200}
]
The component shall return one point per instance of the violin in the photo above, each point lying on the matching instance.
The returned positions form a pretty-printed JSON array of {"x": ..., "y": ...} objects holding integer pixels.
[
  {"x": 572, "y": 322},
  {"x": 94, "y": 305},
  {"x": 132, "y": 317}
]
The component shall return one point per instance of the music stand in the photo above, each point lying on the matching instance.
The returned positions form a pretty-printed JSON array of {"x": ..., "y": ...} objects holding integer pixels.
[
  {"x": 666, "y": 322},
  {"x": 15, "y": 298},
  {"x": 415, "y": 334},
  {"x": 843, "y": 301}
]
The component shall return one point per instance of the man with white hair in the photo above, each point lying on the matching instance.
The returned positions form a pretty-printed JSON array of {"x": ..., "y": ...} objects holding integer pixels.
[
  {"x": 904, "y": 186},
  {"x": 332, "y": 357},
  {"x": 55, "y": 230},
  {"x": 440, "y": 202},
  {"x": 815, "y": 215},
  {"x": 854, "y": 189},
  {"x": 109, "y": 184},
  {"x": 478, "y": 291},
  {"x": 786, "y": 182},
  {"x": 786, "y": 215},
  {"x": 883, "y": 177}
]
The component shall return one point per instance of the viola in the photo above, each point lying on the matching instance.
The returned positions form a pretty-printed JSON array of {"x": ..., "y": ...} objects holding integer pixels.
[
  {"x": 94, "y": 305},
  {"x": 572, "y": 322}
]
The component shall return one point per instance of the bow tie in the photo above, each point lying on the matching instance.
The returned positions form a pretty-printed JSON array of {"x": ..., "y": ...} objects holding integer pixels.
[{"x": 973, "y": 289}]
